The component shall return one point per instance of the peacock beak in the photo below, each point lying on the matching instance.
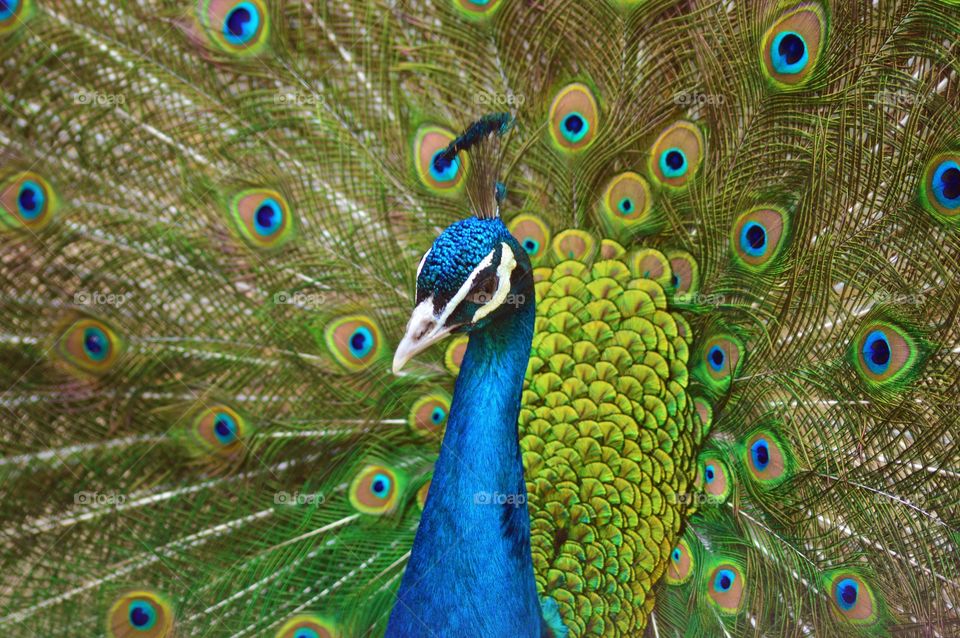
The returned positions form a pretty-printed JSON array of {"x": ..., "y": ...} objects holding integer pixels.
[{"x": 423, "y": 330}]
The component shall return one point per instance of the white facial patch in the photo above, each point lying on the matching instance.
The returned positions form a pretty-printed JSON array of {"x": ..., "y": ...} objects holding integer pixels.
[{"x": 504, "y": 270}]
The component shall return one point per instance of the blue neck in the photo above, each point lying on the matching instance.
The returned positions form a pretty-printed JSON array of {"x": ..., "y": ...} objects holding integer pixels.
[{"x": 470, "y": 572}]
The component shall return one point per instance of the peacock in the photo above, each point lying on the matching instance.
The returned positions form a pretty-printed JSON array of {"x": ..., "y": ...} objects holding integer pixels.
[{"x": 508, "y": 318}]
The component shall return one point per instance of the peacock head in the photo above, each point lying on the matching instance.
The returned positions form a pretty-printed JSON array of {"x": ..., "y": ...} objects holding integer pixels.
[{"x": 474, "y": 274}]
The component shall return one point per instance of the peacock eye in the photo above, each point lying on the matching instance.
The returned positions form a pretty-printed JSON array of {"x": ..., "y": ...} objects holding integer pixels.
[
  {"x": 483, "y": 292},
  {"x": 940, "y": 191},
  {"x": 237, "y": 27},
  {"x": 676, "y": 154},
  {"x": 308, "y": 626},
  {"x": 725, "y": 587},
  {"x": 533, "y": 235},
  {"x": 140, "y": 613},
  {"x": 793, "y": 45},
  {"x": 681, "y": 568},
  {"x": 375, "y": 489}
]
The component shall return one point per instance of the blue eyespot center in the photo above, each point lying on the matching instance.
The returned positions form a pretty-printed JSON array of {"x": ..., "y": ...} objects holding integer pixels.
[
  {"x": 30, "y": 198},
  {"x": 438, "y": 415},
  {"x": 532, "y": 246},
  {"x": 574, "y": 127},
  {"x": 876, "y": 352},
  {"x": 443, "y": 168},
  {"x": 760, "y": 453},
  {"x": 361, "y": 342},
  {"x": 242, "y": 23},
  {"x": 380, "y": 485},
  {"x": 710, "y": 474},
  {"x": 673, "y": 163},
  {"x": 716, "y": 358},
  {"x": 268, "y": 218},
  {"x": 946, "y": 184},
  {"x": 95, "y": 343},
  {"x": 142, "y": 615},
  {"x": 847, "y": 593},
  {"x": 625, "y": 206},
  {"x": 789, "y": 53},
  {"x": 791, "y": 48},
  {"x": 8, "y": 8},
  {"x": 306, "y": 633},
  {"x": 724, "y": 580},
  {"x": 675, "y": 281},
  {"x": 225, "y": 428},
  {"x": 675, "y": 555},
  {"x": 753, "y": 239}
]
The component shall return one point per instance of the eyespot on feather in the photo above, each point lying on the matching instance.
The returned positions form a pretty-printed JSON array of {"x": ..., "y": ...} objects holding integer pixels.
[
  {"x": 765, "y": 458},
  {"x": 532, "y": 234},
  {"x": 721, "y": 359},
  {"x": 652, "y": 264},
  {"x": 140, "y": 614},
  {"x": 852, "y": 599},
  {"x": 685, "y": 278},
  {"x": 477, "y": 9},
  {"x": 725, "y": 586},
  {"x": 885, "y": 355},
  {"x": 355, "y": 341},
  {"x": 574, "y": 244},
  {"x": 676, "y": 154},
  {"x": 237, "y": 27},
  {"x": 626, "y": 201},
  {"x": 453, "y": 356},
  {"x": 89, "y": 346},
  {"x": 610, "y": 249},
  {"x": 262, "y": 217},
  {"x": 374, "y": 490},
  {"x": 704, "y": 413},
  {"x": 758, "y": 236},
  {"x": 716, "y": 478},
  {"x": 793, "y": 45},
  {"x": 428, "y": 415},
  {"x": 681, "y": 565},
  {"x": 940, "y": 190},
  {"x": 14, "y": 14},
  {"x": 574, "y": 118},
  {"x": 219, "y": 429},
  {"x": 27, "y": 202},
  {"x": 308, "y": 626},
  {"x": 441, "y": 176}
]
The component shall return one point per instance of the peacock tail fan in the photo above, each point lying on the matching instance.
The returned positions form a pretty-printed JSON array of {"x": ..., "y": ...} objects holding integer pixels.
[{"x": 739, "y": 416}]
